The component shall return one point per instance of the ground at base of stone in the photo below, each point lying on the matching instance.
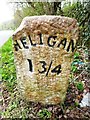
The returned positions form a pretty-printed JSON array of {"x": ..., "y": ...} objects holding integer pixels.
[
  {"x": 13, "y": 106},
  {"x": 68, "y": 112}
]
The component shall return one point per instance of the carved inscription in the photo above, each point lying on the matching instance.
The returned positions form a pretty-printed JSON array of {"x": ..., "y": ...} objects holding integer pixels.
[
  {"x": 51, "y": 42},
  {"x": 44, "y": 68}
]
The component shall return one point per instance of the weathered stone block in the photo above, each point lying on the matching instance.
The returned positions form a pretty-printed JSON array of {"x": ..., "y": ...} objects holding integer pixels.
[{"x": 44, "y": 48}]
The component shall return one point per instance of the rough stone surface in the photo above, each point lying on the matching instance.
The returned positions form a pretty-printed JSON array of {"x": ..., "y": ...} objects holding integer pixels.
[{"x": 44, "y": 48}]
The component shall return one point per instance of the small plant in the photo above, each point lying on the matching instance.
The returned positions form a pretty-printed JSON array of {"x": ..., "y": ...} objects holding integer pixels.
[
  {"x": 74, "y": 68},
  {"x": 76, "y": 55},
  {"x": 80, "y": 86},
  {"x": 74, "y": 63},
  {"x": 77, "y": 62},
  {"x": 76, "y": 104},
  {"x": 44, "y": 113}
]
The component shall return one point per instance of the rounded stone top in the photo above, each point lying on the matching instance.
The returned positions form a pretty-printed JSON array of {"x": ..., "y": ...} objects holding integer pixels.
[{"x": 46, "y": 24}]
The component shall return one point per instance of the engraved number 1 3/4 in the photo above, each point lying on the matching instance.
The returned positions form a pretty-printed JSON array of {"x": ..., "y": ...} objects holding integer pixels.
[{"x": 44, "y": 67}]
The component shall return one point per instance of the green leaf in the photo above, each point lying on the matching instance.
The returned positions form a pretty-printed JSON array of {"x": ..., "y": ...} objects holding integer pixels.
[
  {"x": 44, "y": 113},
  {"x": 80, "y": 86},
  {"x": 76, "y": 55},
  {"x": 74, "y": 68}
]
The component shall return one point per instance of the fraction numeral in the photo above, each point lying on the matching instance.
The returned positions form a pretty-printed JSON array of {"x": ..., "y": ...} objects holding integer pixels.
[
  {"x": 57, "y": 69},
  {"x": 43, "y": 66},
  {"x": 44, "y": 69}
]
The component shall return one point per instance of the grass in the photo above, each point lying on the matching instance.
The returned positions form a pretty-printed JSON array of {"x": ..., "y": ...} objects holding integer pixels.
[{"x": 7, "y": 70}]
